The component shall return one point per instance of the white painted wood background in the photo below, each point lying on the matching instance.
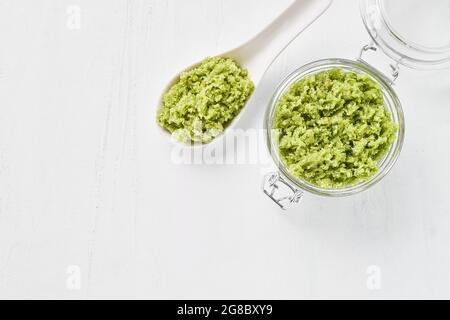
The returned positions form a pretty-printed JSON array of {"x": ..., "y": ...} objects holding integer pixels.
[{"x": 87, "y": 186}]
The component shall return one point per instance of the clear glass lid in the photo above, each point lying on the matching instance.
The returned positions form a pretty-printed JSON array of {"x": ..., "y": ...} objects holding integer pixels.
[{"x": 415, "y": 33}]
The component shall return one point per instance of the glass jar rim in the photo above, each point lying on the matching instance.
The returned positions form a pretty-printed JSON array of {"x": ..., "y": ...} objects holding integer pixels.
[{"x": 391, "y": 100}]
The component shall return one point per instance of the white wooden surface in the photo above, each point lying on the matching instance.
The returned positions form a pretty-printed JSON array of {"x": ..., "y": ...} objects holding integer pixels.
[{"x": 87, "y": 186}]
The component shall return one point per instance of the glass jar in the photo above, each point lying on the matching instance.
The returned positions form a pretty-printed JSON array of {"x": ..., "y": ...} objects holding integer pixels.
[{"x": 379, "y": 19}]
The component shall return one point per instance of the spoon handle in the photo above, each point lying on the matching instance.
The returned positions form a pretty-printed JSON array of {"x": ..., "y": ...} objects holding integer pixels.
[{"x": 259, "y": 53}]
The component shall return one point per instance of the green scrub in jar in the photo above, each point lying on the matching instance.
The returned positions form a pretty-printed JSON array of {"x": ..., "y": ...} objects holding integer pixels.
[{"x": 333, "y": 128}]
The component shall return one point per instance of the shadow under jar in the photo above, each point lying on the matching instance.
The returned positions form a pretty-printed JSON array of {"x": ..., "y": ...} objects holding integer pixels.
[{"x": 398, "y": 39}]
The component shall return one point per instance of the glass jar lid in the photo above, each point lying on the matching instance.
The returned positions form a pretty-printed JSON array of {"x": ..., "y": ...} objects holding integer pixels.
[{"x": 415, "y": 33}]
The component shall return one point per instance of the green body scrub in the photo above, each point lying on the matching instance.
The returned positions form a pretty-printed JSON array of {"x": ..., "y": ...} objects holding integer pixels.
[
  {"x": 205, "y": 99},
  {"x": 333, "y": 128}
]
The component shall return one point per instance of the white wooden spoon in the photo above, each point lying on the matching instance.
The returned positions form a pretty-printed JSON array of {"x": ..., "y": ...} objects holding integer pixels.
[{"x": 257, "y": 54}]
